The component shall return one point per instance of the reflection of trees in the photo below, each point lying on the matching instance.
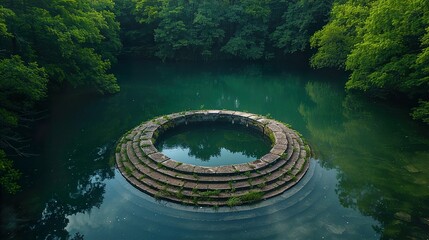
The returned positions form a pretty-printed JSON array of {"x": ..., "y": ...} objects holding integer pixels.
[
  {"x": 47, "y": 218},
  {"x": 206, "y": 141},
  {"x": 71, "y": 171},
  {"x": 88, "y": 193},
  {"x": 381, "y": 158}
]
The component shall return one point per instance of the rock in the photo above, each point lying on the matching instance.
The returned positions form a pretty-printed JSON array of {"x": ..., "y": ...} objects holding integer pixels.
[{"x": 157, "y": 175}]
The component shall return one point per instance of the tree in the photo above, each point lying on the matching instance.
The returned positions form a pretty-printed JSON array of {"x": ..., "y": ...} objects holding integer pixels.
[
  {"x": 75, "y": 41},
  {"x": 49, "y": 43},
  {"x": 336, "y": 39},
  {"x": 301, "y": 19},
  {"x": 243, "y": 29},
  {"x": 8, "y": 175},
  {"x": 384, "y": 45},
  {"x": 21, "y": 85}
]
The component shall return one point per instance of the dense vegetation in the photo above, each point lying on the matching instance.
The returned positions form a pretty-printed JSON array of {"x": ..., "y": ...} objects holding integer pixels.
[
  {"x": 243, "y": 29},
  {"x": 383, "y": 43},
  {"x": 48, "y": 45}
]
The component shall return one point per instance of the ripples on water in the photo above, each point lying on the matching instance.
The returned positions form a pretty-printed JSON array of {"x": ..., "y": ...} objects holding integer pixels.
[
  {"x": 310, "y": 207},
  {"x": 370, "y": 180}
]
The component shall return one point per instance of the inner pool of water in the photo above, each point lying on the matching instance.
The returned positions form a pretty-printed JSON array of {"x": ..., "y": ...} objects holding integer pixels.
[{"x": 213, "y": 144}]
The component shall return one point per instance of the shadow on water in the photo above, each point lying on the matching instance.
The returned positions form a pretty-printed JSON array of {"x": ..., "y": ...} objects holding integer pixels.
[{"x": 371, "y": 180}]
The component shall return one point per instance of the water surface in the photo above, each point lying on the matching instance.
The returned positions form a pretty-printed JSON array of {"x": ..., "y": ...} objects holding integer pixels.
[
  {"x": 368, "y": 180},
  {"x": 213, "y": 144}
]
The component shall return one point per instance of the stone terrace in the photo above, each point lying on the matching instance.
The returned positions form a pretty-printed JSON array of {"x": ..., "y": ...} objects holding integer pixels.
[{"x": 156, "y": 174}]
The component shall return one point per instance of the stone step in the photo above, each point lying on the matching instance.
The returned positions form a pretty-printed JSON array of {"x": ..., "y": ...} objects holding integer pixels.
[
  {"x": 189, "y": 197},
  {"x": 159, "y": 190},
  {"x": 157, "y": 175},
  {"x": 249, "y": 182},
  {"x": 203, "y": 178}
]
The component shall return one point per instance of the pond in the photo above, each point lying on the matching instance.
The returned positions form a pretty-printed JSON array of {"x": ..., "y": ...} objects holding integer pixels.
[
  {"x": 369, "y": 178},
  {"x": 212, "y": 144}
]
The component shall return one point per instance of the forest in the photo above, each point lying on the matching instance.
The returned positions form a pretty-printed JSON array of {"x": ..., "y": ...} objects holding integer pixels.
[{"x": 52, "y": 45}]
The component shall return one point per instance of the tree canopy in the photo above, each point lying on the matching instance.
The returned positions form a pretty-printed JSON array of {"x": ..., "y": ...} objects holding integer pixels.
[
  {"x": 49, "y": 44},
  {"x": 241, "y": 29},
  {"x": 383, "y": 43}
]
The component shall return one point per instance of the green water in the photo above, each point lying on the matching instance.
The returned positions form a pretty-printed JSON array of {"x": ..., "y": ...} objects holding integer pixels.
[
  {"x": 369, "y": 179},
  {"x": 213, "y": 144}
]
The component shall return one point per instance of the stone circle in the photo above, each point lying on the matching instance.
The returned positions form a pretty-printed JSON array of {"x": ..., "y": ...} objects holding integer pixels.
[{"x": 164, "y": 178}]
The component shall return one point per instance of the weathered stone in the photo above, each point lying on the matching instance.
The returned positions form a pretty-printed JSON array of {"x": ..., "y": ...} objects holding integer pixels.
[
  {"x": 258, "y": 164},
  {"x": 149, "y": 149},
  {"x": 255, "y": 117},
  {"x": 210, "y": 170},
  {"x": 280, "y": 137},
  {"x": 227, "y": 112},
  {"x": 190, "y": 185},
  {"x": 170, "y": 163},
  {"x": 242, "y": 167},
  {"x": 263, "y": 121},
  {"x": 213, "y": 112},
  {"x": 219, "y": 187},
  {"x": 154, "y": 173},
  {"x": 225, "y": 170},
  {"x": 158, "y": 157},
  {"x": 185, "y": 168},
  {"x": 277, "y": 151},
  {"x": 281, "y": 145},
  {"x": 274, "y": 127},
  {"x": 200, "y": 170},
  {"x": 269, "y": 158},
  {"x": 146, "y": 143},
  {"x": 160, "y": 120},
  {"x": 152, "y": 127}
]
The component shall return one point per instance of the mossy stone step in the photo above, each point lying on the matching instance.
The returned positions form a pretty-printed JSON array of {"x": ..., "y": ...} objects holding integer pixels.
[{"x": 156, "y": 174}]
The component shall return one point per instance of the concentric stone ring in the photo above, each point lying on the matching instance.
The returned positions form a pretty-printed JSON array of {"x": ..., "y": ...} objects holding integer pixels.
[{"x": 164, "y": 178}]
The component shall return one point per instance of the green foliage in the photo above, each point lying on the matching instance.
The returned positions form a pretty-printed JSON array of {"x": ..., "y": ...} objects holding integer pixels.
[
  {"x": 4, "y": 13},
  {"x": 8, "y": 175},
  {"x": 74, "y": 41},
  {"x": 250, "y": 197},
  {"x": 234, "y": 201},
  {"x": 21, "y": 85},
  {"x": 228, "y": 29},
  {"x": 209, "y": 193},
  {"x": 383, "y": 43},
  {"x": 298, "y": 22},
  {"x": 421, "y": 112},
  {"x": 336, "y": 39}
]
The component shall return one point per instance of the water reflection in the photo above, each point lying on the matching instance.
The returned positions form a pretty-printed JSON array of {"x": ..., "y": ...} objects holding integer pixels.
[
  {"x": 309, "y": 211},
  {"x": 67, "y": 178},
  {"x": 372, "y": 172},
  {"x": 381, "y": 159},
  {"x": 213, "y": 144}
]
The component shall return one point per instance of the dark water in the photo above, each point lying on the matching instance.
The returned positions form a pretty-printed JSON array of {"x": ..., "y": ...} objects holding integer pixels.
[
  {"x": 369, "y": 179},
  {"x": 213, "y": 144}
]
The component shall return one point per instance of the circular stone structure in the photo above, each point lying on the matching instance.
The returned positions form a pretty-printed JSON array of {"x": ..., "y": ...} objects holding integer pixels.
[{"x": 156, "y": 174}]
